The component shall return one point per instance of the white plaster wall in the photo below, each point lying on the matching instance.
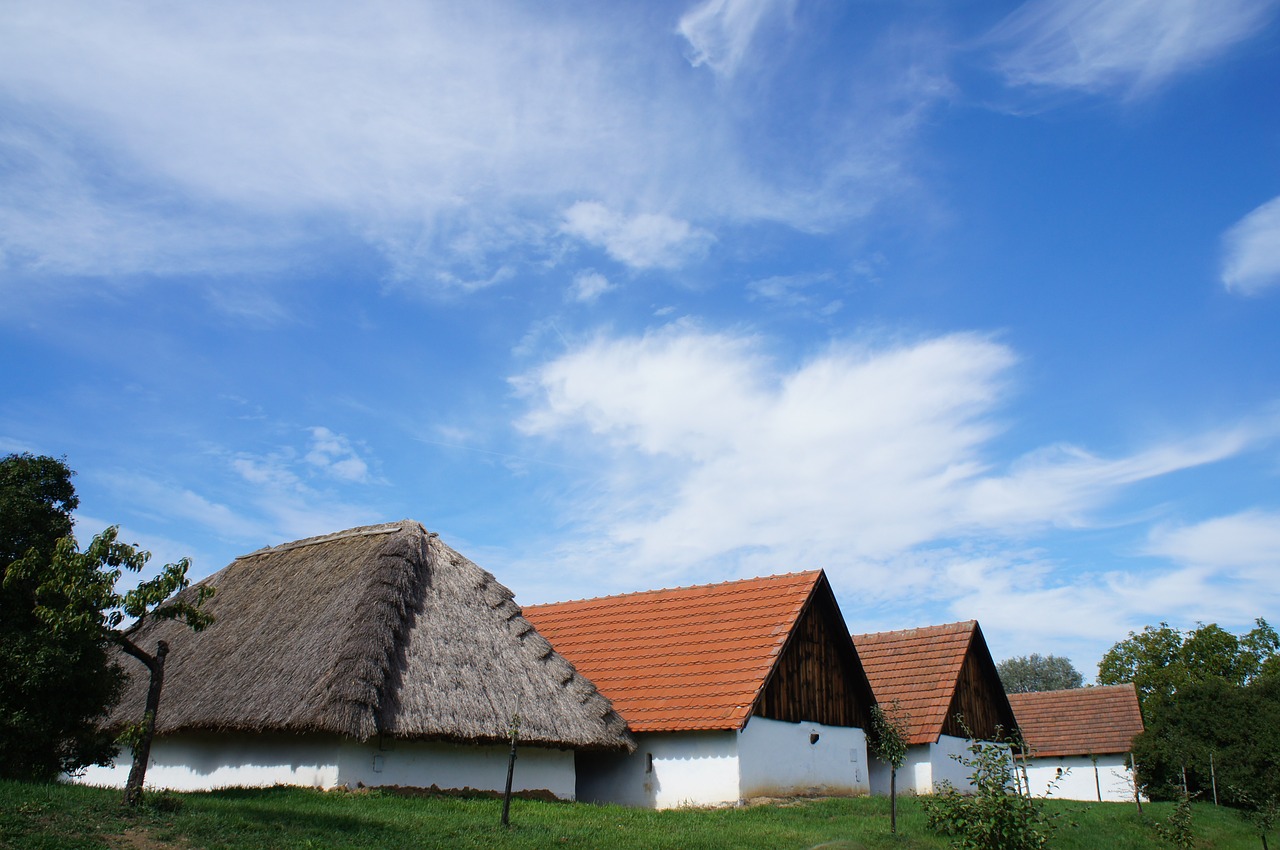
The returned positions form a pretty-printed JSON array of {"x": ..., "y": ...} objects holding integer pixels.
[
  {"x": 914, "y": 777},
  {"x": 667, "y": 770},
  {"x": 455, "y": 766},
  {"x": 204, "y": 762},
  {"x": 777, "y": 758},
  {"x": 925, "y": 767},
  {"x": 945, "y": 767},
  {"x": 1078, "y": 781}
]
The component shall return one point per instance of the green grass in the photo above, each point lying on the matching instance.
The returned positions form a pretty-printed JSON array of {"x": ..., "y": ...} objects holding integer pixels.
[{"x": 68, "y": 817}]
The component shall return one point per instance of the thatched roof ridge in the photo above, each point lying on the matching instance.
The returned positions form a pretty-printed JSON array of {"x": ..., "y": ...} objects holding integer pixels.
[{"x": 374, "y": 630}]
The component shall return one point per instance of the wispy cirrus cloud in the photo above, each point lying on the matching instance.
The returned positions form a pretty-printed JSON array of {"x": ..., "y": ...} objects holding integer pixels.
[
  {"x": 878, "y": 461},
  {"x": 1251, "y": 251},
  {"x": 152, "y": 141},
  {"x": 1130, "y": 48},
  {"x": 719, "y": 32},
  {"x": 642, "y": 241}
]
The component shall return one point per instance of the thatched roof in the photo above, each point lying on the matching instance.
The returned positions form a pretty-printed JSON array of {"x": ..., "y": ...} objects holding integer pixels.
[{"x": 376, "y": 630}]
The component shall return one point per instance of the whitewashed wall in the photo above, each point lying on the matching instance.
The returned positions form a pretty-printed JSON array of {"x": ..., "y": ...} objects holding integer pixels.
[
  {"x": 782, "y": 759},
  {"x": 667, "y": 770},
  {"x": 1079, "y": 780},
  {"x": 926, "y": 766},
  {"x": 203, "y": 762},
  {"x": 768, "y": 757}
]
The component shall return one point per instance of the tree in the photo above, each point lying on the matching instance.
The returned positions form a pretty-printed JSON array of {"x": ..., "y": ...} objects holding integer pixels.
[
  {"x": 1211, "y": 706},
  {"x": 1026, "y": 673},
  {"x": 889, "y": 744},
  {"x": 77, "y": 597},
  {"x": 1160, "y": 660},
  {"x": 54, "y": 688}
]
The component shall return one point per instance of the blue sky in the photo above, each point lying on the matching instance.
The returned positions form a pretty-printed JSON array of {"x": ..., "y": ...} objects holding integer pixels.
[{"x": 974, "y": 305}]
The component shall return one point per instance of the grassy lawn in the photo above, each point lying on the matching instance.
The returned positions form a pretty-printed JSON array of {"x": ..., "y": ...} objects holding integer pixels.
[{"x": 72, "y": 817}]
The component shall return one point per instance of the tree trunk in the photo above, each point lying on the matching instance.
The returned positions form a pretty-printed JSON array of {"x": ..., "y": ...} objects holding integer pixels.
[
  {"x": 142, "y": 749},
  {"x": 893, "y": 800}
]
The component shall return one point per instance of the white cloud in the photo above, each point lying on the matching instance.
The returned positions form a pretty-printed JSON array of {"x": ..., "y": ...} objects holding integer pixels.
[
  {"x": 719, "y": 32},
  {"x": 1059, "y": 485},
  {"x": 334, "y": 455},
  {"x": 1247, "y": 541},
  {"x": 151, "y": 140},
  {"x": 877, "y": 462},
  {"x": 643, "y": 241},
  {"x": 1130, "y": 47},
  {"x": 1251, "y": 261},
  {"x": 590, "y": 285}
]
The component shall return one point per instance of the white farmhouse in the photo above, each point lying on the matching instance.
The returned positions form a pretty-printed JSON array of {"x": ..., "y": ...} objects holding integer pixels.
[
  {"x": 735, "y": 690},
  {"x": 1079, "y": 742},
  {"x": 374, "y": 656},
  {"x": 944, "y": 683}
]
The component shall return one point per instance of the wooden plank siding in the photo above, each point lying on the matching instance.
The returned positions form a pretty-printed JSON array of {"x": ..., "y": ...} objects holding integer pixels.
[
  {"x": 818, "y": 676},
  {"x": 979, "y": 702}
]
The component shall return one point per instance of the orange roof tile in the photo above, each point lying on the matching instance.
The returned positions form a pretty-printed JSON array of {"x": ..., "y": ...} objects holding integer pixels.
[
  {"x": 684, "y": 658},
  {"x": 1080, "y": 721},
  {"x": 919, "y": 668}
]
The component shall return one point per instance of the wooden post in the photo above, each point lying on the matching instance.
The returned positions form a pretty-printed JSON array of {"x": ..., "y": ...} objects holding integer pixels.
[
  {"x": 511, "y": 769},
  {"x": 1213, "y": 777},
  {"x": 1137, "y": 792},
  {"x": 1097, "y": 780}
]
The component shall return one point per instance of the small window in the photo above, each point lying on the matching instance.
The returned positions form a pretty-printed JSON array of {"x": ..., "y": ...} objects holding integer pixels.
[
  {"x": 813, "y": 737},
  {"x": 648, "y": 762}
]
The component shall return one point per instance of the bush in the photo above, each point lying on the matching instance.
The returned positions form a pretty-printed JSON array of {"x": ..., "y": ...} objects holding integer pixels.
[{"x": 995, "y": 816}]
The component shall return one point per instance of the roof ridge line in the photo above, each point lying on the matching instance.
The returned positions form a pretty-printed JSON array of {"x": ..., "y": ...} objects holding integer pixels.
[
  {"x": 673, "y": 589},
  {"x": 358, "y": 531}
]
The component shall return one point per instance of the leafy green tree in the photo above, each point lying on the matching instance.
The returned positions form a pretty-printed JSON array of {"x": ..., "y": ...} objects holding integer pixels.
[
  {"x": 1211, "y": 706},
  {"x": 1026, "y": 673},
  {"x": 77, "y": 598},
  {"x": 888, "y": 742},
  {"x": 54, "y": 688},
  {"x": 1159, "y": 660}
]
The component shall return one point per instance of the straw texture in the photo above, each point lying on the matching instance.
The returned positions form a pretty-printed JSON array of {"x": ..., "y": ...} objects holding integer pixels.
[{"x": 374, "y": 630}]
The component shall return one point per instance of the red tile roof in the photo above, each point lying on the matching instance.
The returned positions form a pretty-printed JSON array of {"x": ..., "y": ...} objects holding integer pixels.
[
  {"x": 1081, "y": 721},
  {"x": 680, "y": 659},
  {"x": 919, "y": 668}
]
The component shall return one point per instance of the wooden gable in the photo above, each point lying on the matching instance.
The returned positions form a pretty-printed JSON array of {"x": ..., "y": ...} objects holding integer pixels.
[
  {"x": 817, "y": 676},
  {"x": 979, "y": 701}
]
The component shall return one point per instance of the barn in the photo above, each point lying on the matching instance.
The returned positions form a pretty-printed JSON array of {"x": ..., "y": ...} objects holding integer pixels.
[
  {"x": 734, "y": 690},
  {"x": 1079, "y": 742},
  {"x": 374, "y": 656},
  {"x": 946, "y": 687}
]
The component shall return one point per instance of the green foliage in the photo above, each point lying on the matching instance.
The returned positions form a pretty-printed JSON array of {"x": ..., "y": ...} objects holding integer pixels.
[
  {"x": 1160, "y": 660},
  {"x": 994, "y": 816},
  {"x": 1176, "y": 830},
  {"x": 1027, "y": 673},
  {"x": 1211, "y": 705},
  {"x": 54, "y": 687},
  {"x": 888, "y": 738},
  {"x": 1261, "y": 813},
  {"x": 77, "y": 593}
]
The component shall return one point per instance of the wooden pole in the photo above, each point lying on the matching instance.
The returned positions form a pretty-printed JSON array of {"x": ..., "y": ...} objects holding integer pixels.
[
  {"x": 1213, "y": 777},
  {"x": 511, "y": 769},
  {"x": 1137, "y": 793}
]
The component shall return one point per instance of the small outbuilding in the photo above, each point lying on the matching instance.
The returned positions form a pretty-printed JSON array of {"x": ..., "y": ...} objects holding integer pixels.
[
  {"x": 1080, "y": 742},
  {"x": 735, "y": 690},
  {"x": 374, "y": 656},
  {"x": 946, "y": 687}
]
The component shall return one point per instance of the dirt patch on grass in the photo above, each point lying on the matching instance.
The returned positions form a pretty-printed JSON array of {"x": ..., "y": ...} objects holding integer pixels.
[{"x": 140, "y": 839}]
